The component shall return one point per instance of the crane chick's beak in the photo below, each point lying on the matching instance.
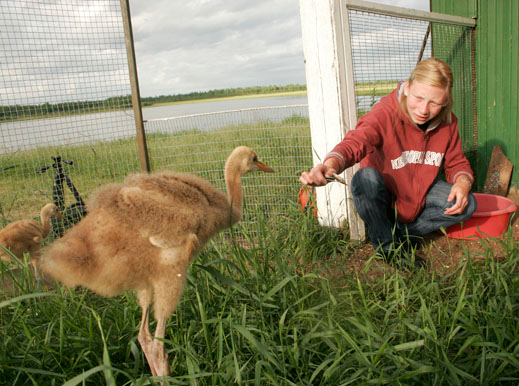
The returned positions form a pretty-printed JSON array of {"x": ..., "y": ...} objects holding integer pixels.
[{"x": 264, "y": 167}]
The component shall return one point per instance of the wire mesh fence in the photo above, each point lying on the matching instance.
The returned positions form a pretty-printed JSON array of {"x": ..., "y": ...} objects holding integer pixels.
[
  {"x": 201, "y": 143},
  {"x": 66, "y": 95},
  {"x": 65, "y": 91}
]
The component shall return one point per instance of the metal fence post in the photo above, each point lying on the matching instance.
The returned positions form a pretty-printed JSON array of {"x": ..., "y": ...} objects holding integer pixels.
[{"x": 134, "y": 80}]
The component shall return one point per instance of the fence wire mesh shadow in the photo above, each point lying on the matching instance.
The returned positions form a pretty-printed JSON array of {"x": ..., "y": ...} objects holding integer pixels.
[{"x": 201, "y": 143}]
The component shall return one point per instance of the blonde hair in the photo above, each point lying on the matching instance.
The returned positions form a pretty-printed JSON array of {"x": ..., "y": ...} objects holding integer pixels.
[{"x": 436, "y": 73}]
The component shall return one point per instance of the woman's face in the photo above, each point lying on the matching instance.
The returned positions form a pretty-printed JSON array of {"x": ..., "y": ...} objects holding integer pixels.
[{"x": 424, "y": 102}]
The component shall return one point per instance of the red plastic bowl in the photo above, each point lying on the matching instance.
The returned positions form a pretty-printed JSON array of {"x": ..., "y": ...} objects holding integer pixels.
[{"x": 490, "y": 218}]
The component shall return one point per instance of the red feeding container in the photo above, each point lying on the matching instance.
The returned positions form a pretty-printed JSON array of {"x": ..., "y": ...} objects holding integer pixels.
[
  {"x": 306, "y": 199},
  {"x": 490, "y": 218}
]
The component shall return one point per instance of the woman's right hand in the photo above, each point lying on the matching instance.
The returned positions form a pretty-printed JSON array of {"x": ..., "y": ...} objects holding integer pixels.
[{"x": 317, "y": 175}]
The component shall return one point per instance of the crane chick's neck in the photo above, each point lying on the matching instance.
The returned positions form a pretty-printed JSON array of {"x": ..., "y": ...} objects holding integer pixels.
[{"x": 234, "y": 189}]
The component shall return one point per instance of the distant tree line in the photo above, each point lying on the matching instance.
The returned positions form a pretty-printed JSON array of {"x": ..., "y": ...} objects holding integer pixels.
[
  {"x": 227, "y": 92},
  {"x": 20, "y": 112}
]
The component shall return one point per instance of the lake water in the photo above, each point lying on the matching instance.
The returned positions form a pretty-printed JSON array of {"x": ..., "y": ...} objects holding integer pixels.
[
  {"x": 216, "y": 106},
  {"x": 78, "y": 129}
]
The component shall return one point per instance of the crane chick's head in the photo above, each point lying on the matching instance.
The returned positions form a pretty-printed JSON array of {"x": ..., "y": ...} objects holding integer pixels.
[
  {"x": 51, "y": 210},
  {"x": 246, "y": 160}
]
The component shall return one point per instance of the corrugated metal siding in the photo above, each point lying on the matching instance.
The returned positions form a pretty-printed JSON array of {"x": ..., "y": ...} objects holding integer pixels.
[
  {"x": 465, "y": 8},
  {"x": 497, "y": 51},
  {"x": 497, "y": 68}
]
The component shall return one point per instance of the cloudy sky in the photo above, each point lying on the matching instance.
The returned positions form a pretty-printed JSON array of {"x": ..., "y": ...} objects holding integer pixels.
[
  {"x": 69, "y": 50},
  {"x": 197, "y": 45}
]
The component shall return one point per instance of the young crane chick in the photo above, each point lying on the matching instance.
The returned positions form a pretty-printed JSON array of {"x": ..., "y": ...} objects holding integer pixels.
[
  {"x": 27, "y": 235},
  {"x": 141, "y": 235}
]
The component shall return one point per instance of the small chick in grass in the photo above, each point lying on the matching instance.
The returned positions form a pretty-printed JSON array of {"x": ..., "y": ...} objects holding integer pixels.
[
  {"x": 141, "y": 235},
  {"x": 26, "y": 236}
]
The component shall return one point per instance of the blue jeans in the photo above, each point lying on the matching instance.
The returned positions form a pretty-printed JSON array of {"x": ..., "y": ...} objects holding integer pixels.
[{"x": 373, "y": 201}]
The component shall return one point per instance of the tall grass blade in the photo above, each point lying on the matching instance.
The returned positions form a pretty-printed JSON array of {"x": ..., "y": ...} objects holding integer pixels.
[
  {"x": 20, "y": 298},
  {"x": 223, "y": 279},
  {"x": 107, "y": 371},
  {"x": 409, "y": 345},
  {"x": 84, "y": 376},
  {"x": 256, "y": 344}
]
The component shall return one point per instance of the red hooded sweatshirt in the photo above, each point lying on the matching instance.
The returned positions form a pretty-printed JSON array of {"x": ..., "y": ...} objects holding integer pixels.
[{"x": 407, "y": 158}]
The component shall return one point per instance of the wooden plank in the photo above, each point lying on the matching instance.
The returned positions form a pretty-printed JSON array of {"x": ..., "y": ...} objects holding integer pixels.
[
  {"x": 323, "y": 100},
  {"x": 134, "y": 82},
  {"x": 499, "y": 173},
  {"x": 326, "y": 105}
]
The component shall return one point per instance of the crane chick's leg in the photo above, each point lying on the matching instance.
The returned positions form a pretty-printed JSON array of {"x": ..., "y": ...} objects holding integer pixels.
[
  {"x": 144, "y": 337},
  {"x": 166, "y": 295}
]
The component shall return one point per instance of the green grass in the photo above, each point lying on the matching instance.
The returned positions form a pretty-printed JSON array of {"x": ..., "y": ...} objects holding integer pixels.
[
  {"x": 377, "y": 88},
  {"x": 272, "y": 303},
  {"x": 278, "y": 307}
]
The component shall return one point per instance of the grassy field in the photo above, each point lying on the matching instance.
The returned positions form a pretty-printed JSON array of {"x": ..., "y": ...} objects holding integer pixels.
[
  {"x": 275, "y": 303},
  {"x": 284, "y": 145},
  {"x": 379, "y": 88},
  {"x": 278, "y": 309},
  {"x": 276, "y": 306}
]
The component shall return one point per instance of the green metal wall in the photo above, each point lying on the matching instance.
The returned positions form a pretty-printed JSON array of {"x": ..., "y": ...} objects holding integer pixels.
[{"x": 497, "y": 80}]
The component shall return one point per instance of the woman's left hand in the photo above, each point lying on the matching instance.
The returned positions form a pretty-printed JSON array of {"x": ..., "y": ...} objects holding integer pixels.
[{"x": 459, "y": 191}]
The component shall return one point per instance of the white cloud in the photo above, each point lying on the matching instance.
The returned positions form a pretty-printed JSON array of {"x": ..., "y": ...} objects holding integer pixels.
[
  {"x": 181, "y": 46},
  {"x": 217, "y": 44},
  {"x": 212, "y": 44}
]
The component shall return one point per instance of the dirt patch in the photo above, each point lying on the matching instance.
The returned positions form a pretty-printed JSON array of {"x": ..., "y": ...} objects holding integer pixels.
[{"x": 442, "y": 254}]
